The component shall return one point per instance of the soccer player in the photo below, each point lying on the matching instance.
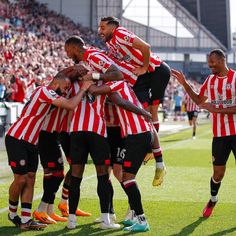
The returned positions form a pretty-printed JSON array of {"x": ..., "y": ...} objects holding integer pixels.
[
  {"x": 153, "y": 74},
  {"x": 64, "y": 140},
  {"x": 21, "y": 140},
  {"x": 219, "y": 89},
  {"x": 135, "y": 130},
  {"x": 88, "y": 130},
  {"x": 192, "y": 110}
]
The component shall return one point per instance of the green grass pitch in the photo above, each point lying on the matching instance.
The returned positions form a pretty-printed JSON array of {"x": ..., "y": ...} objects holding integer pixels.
[{"x": 175, "y": 208}]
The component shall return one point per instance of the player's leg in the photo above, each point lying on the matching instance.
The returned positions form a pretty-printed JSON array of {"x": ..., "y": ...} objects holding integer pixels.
[
  {"x": 221, "y": 149},
  {"x": 64, "y": 139},
  {"x": 79, "y": 154},
  {"x": 101, "y": 159},
  {"x": 134, "y": 156}
]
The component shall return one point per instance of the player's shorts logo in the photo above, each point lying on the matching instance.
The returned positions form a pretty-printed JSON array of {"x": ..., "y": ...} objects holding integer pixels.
[
  {"x": 60, "y": 160},
  {"x": 22, "y": 162}
]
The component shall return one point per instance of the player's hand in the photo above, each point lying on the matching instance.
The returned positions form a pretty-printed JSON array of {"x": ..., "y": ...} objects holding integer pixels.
[
  {"x": 147, "y": 115},
  {"x": 86, "y": 84},
  {"x": 179, "y": 76},
  {"x": 88, "y": 76},
  {"x": 149, "y": 156},
  {"x": 208, "y": 106},
  {"x": 80, "y": 69},
  {"x": 139, "y": 71}
]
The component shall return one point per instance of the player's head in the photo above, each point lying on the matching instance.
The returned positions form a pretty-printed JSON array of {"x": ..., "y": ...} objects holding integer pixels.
[
  {"x": 61, "y": 84},
  {"x": 74, "y": 47},
  {"x": 217, "y": 61},
  {"x": 107, "y": 27}
]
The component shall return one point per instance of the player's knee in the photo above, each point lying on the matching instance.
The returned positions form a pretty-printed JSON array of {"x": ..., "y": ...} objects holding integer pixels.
[{"x": 21, "y": 180}]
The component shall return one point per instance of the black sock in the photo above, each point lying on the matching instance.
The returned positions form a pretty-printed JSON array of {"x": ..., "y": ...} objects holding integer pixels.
[
  {"x": 194, "y": 133},
  {"x": 111, "y": 190},
  {"x": 130, "y": 204},
  {"x": 56, "y": 180},
  {"x": 158, "y": 158},
  {"x": 133, "y": 193},
  {"x": 214, "y": 187},
  {"x": 74, "y": 194},
  {"x": 103, "y": 191},
  {"x": 47, "y": 188}
]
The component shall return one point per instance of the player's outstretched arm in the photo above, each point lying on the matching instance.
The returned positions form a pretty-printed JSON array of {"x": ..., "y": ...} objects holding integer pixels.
[
  {"x": 72, "y": 103},
  {"x": 211, "y": 108},
  {"x": 129, "y": 106},
  {"x": 181, "y": 79},
  {"x": 112, "y": 74}
]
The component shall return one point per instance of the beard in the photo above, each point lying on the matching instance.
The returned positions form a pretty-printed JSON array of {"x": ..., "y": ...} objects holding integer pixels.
[{"x": 59, "y": 92}]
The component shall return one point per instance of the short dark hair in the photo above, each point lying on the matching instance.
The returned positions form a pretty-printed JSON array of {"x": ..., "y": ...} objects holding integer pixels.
[
  {"x": 75, "y": 40},
  {"x": 218, "y": 52},
  {"x": 111, "y": 20},
  {"x": 60, "y": 76}
]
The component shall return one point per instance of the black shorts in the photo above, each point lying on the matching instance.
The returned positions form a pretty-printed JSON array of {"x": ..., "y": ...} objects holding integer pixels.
[
  {"x": 49, "y": 151},
  {"x": 116, "y": 143},
  {"x": 83, "y": 143},
  {"x": 221, "y": 148},
  {"x": 177, "y": 109},
  {"x": 192, "y": 114},
  {"x": 150, "y": 87},
  {"x": 22, "y": 156},
  {"x": 64, "y": 140},
  {"x": 135, "y": 149}
]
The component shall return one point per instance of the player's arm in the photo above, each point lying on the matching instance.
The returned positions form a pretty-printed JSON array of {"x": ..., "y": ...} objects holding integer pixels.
[
  {"x": 228, "y": 110},
  {"x": 71, "y": 104},
  {"x": 144, "y": 48},
  {"x": 97, "y": 90},
  {"x": 129, "y": 106},
  {"x": 111, "y": 74},
  {"x": 181, "y": 79}
]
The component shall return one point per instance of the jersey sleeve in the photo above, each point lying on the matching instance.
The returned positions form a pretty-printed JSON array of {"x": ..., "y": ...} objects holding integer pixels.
[
  {"x": 125, "y": 37},
  {"x": 100, "y": 62},
  {"x": 48, "y": 95},
  {"x": 115, "y": 86},
  {"x": 203, "y": 89}
]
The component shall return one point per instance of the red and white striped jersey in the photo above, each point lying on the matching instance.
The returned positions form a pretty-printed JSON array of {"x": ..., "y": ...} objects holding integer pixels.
[
  {"x": 89, "y": 114},
  {"x": 54, "y": 120},
  {"x": 111, "y": 115},
  {"x": 28, "y": 126},
  {"x": 190, "y": 104},
  {"x": 220, "y": 92},
  {"x": 130, "y": 122},
  {"x": 97, "y": 60},
  {"x": 57, "y": 120},
  {"x": 120, "y": 46}
]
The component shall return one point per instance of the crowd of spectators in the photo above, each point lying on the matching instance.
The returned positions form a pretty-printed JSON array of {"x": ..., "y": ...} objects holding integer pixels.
[
  {"x": 32, "y": 46},
  {"x": 32, "y": 49}
]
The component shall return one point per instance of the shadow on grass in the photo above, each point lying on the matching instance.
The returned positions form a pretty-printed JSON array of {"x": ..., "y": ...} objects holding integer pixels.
[
  {"x": 187, "y": 230},
  {"x": 82, "y": 230},
  {"x": 224, "y": 232},
  {"x": 10, "y": 230}
]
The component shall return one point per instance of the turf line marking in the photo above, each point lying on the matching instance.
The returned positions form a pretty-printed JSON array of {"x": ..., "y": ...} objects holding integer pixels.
[{"x": 41, "y": 194}]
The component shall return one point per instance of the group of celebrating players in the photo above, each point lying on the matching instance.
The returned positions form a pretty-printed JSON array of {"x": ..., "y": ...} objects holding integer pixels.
[{"x": 95, "y": 107}]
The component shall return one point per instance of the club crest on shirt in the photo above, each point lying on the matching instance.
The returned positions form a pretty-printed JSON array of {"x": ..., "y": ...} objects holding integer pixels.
[
  {"x": 127, "y": 38},
  {"x": 52, "y": 92},
  {"x": 101, "y": 63},
  {"x": 228, "y": 86}
]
